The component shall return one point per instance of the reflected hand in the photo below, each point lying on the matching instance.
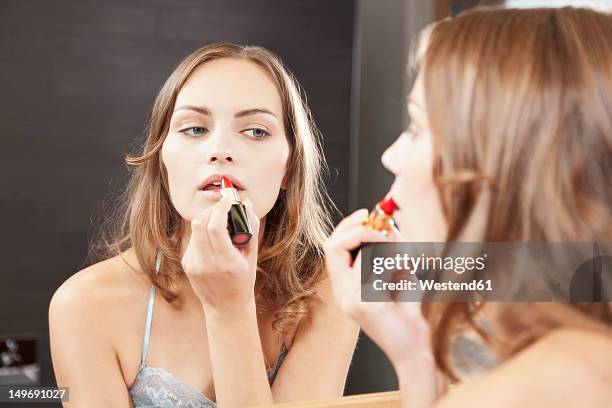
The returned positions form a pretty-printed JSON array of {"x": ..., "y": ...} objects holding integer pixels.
[{"x": 398, "y": 328}]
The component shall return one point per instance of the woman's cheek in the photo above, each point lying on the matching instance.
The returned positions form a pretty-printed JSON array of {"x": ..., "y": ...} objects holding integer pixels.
[
  {"x": 179, "y": 201},
  {"x": 271, "y": 180},
  {"x": 263, "y": 200},
  {"x": 413, "y": 197},
  {"x": 181, "y": 195}
]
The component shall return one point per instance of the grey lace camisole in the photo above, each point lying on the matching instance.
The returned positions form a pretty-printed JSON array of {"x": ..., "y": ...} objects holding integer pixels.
[
  {"x": 470, "y": 356},
  {"x": 154, "y": 387}
]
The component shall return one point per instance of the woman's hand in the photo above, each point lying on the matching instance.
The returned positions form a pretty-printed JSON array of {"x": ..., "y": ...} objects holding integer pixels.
[
  {"x": 222, "y": 275},
  {"x": 398, "y": 328}
]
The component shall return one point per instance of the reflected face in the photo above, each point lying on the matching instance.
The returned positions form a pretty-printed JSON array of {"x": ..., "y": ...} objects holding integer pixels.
[
  {"x": 227, "y": 120},
  {"x": 410, "y": 159}
]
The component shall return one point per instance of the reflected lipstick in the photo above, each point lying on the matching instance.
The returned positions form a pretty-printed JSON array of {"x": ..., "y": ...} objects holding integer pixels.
[
  {"x": 238, "y": 223},
  {"x": 380, "y": 219}
]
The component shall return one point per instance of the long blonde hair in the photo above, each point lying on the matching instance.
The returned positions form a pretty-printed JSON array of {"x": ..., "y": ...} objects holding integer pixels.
[
  {"x": 290, "y": 260},
  {"x": 520, "y": 107}
]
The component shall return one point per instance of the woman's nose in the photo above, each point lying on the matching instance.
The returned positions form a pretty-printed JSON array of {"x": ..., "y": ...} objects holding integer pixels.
[
  {"x": 389, "y": 156},
  {"x": 220, "y": 157},
  {"x": 220, "y": 148}
]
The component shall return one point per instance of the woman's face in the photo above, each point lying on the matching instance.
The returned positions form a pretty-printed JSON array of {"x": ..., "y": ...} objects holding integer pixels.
[
  {"x": 410, "y": 159},
  {"x": 227, "y": 121}
]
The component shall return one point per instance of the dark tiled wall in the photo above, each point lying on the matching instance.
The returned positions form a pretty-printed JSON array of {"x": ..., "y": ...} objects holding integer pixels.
[{"x": 77, "y": 80}]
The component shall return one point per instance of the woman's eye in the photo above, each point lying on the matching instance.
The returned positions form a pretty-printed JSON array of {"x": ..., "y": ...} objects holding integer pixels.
[
  {"x": 194, "y": 131},
  {"x": 256, "y": 133}
]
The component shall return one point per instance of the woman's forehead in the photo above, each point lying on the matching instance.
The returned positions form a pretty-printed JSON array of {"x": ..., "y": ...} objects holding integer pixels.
[{"x": 230, "y": 84}]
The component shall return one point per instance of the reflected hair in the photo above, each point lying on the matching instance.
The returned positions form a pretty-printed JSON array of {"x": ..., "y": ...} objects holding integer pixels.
[{"x": 520, "y": 108}]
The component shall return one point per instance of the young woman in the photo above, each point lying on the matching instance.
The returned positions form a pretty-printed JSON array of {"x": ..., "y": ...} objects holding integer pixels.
[
  {"x": 510, "y": 140},
  {"x": 180, "y": 316}
]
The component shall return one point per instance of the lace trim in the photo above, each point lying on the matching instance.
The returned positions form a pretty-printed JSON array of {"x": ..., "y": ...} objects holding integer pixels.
[{"x": 155, "y": 387}]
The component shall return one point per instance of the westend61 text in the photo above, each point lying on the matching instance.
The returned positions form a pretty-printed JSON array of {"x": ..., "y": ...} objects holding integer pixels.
[{"x": 433, "y": 285}]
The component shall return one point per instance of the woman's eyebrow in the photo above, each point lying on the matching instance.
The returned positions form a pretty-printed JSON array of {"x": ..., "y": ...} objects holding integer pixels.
[
  {"x": 206, "y": 112},
  {"x": 255, "y": 111},
  {"x": 199, "y": 109}
]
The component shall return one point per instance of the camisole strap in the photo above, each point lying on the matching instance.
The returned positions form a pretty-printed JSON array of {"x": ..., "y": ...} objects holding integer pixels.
[
  {"x": 147, "y": 335},
  {"x": 279, "y": 362},
  {"x": 145, "y": 342}
]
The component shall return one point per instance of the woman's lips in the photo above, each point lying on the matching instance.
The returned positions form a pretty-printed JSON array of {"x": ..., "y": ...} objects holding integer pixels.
[
  {"x": 213, "y": 182},
  {"x": 212, "y": 187}
]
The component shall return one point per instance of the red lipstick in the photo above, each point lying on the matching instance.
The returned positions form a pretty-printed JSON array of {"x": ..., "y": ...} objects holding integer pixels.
[
  {"x": 380, "y": 219},
  {"x": 238, "y": 223}
]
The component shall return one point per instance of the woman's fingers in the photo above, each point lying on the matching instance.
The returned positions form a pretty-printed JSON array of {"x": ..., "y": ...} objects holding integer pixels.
[
  {"x": 211, "y": 236},
  {"x": 356, "y": 218},
  {"x": 218, "y": 234},
  {"x": 354, "y": 236},
  {"x": 199, "y": 242},
  {"x": 338, "y": 253}
]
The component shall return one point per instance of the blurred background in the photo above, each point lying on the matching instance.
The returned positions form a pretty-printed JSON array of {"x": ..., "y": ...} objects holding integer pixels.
[{"x": 78, "y": 79}]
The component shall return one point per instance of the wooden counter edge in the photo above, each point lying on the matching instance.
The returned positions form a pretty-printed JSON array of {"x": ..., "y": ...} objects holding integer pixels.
[{"x": 390, "y": 399}]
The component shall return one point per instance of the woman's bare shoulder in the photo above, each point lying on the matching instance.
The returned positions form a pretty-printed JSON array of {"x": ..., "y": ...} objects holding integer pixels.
[
  {"x": 89, "y": 319},
  {"x": 102, "y": 287},
  {"x": 588, "y": 351},
  {"x": 547, "y": 373}
]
